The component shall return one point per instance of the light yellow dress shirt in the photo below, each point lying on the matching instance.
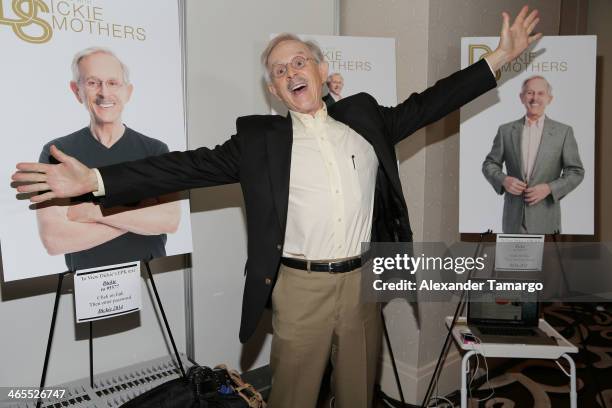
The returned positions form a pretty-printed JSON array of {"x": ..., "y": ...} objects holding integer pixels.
[{"x": 331, "y": 189}]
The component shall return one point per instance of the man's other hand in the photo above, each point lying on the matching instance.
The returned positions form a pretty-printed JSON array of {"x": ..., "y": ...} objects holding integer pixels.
[
  {"x": 537, "y": 193},
  {"x": 69, "y": 178},
  {"x": 514, "y": 186},
  {"x": 515, "y": 38}
]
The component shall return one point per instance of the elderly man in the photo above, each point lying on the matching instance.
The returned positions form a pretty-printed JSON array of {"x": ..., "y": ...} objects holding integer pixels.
[
  {"x": 315, "y": 185},
  {"x": 335, "y": 83},
  {"x": 81, "y": 230},
  {"x": 542, "y": 164}
]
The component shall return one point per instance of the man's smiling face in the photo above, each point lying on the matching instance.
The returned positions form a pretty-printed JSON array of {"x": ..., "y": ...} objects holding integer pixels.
[
  {"x": 536, "y": 97},
  {"x": 101, "y": 88},
  {"x": 299, "y": 89}
]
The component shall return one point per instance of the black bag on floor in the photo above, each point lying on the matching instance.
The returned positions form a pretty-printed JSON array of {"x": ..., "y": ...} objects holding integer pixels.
[{"x": 202, "y": 387}]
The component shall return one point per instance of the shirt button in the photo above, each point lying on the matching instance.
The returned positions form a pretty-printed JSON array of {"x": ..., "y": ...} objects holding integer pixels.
[
  {"x": 339, "y": 219},
  {"x": 279, "y": 246},
  {"x": 268, "y": 281}
]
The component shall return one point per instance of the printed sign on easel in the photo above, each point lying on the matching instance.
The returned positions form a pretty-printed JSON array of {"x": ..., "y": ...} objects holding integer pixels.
[{"x": 100, "y": 293}]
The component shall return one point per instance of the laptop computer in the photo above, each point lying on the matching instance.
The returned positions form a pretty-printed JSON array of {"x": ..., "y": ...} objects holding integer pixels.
[{"x": 505, "y": 316}]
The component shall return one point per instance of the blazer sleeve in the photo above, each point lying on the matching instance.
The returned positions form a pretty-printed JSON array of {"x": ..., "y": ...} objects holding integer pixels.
[
  {"x": 493, "y": 164},
  {"x": 445, "y": 96},
  {"x": 573, "y": 171},
  {"x": 171, "y": 172}
]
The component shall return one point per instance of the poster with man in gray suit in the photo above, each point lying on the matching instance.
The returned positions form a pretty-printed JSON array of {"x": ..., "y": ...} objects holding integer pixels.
[{"x": 542, "y": 164}]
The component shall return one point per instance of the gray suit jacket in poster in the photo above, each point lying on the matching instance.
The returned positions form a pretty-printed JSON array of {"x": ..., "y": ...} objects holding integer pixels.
[{"x": 557, "y": 163}]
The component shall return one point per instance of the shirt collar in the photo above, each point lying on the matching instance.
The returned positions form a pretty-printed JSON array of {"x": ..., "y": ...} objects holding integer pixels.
[
  {"x": 307, "y": 119},
  {"x": 538, "y": 123}
]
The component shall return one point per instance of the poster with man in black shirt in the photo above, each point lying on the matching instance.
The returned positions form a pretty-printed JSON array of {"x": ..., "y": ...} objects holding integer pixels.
[{"x": 86, "y": 234}]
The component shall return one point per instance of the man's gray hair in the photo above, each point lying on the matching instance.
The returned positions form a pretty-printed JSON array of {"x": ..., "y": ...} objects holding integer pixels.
[
  {"x": 332, "y": 75},
  {"x": 76, "y": 72},
  {"x": 312, "y": 46},
  {"x": 548, "y": 85}
]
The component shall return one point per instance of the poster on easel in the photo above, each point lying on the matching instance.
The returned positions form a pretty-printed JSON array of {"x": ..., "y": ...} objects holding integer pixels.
[
  {"x": 102, "y": 80},
  {"x": 527, "y": 148}
]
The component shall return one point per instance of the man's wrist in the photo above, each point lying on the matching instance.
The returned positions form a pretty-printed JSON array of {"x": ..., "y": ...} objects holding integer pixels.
[
  {"x": 97, "y": 183},
  {"x": 496, "y": 59}
]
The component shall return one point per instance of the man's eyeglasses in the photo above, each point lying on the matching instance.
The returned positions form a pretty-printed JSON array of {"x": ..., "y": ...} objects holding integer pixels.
[
  {"x": 95, "y": 84},
  {"x": 298, "y": 62}
]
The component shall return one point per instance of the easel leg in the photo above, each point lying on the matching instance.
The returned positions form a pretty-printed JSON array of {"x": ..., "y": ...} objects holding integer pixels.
[
  {"x": 161, "y": 309},
  {"x": 91, "y": 382},
  {"x": 395, "y": 373},
  {"x": 58, "y": 293}
]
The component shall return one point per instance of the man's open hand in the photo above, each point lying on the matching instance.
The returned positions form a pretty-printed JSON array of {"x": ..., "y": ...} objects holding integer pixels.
[
  {"x": 69, "y": 178},
  {"x": 515, "y": 38}
]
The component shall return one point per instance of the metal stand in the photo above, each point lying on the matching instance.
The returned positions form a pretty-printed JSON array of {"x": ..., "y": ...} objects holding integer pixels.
[
  {"x": 58, "y": 293},
  {"x": 91, "y": 384},
  {"x": 161, "y": 309},
  {"x": 447, "y": 340},
  {"x": 395, "y": 372}
]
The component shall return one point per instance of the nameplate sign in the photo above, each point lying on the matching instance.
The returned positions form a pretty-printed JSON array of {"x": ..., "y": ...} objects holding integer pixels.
[
  {"x": 107, "y": 291},
  {"x": 519, "y": 252}
]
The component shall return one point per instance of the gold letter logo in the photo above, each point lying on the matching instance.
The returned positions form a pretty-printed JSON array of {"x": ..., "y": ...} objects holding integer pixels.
[
  {"x": 485, "y": 50},
  {"x": 26, "y": 11}
]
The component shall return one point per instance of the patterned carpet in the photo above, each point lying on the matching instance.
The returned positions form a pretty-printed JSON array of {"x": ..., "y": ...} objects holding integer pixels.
[{"x": 540, "y": 383}]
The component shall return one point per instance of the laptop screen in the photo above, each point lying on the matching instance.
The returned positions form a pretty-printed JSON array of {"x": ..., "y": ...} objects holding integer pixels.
[{"x": 502, "y": 308}]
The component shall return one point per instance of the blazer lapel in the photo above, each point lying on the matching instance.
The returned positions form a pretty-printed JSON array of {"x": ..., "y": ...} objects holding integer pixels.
[
  {"x": 279, "y": 140},
  {"x": 517, "y": 131},
  {"x": 547, "y": 132}
]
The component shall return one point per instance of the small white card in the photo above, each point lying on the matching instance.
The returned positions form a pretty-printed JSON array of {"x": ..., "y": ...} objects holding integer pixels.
[
  {"x": 107, "y": 291},
  {"x": 519, "y": 252}
]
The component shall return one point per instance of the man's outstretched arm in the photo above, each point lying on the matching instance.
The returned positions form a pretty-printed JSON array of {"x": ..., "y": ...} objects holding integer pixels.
[
  {"x": 132, "y": 181},
  {"x": 450, "y": 93}
]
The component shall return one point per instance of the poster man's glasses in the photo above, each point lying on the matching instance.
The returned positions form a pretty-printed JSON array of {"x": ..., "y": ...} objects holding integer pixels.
[{"x": 95, "y": 84}]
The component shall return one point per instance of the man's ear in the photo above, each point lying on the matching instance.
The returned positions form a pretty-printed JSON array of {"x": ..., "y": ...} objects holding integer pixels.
[
  {"x": 130, "y": 90},
  {"x": 272, "y": 90},
  {"x": 74, "y": 87},
  {"x": 323, "y": 70}
]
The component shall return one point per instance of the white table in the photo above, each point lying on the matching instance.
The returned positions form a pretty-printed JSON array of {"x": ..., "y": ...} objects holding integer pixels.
[{"x": 507, "y": 350}]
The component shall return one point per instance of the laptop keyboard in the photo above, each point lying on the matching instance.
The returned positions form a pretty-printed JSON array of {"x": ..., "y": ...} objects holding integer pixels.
[{"x": 507, "y": 331}]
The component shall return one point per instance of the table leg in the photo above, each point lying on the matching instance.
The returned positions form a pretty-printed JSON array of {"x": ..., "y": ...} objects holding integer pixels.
[
  {"x": 465, "y": 370},
  {"x": 573, "y": 393}
]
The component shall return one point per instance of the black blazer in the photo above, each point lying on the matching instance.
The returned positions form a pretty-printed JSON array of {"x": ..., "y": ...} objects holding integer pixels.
[
  {"x": 258, "y": 157},
  {"x": 329, "y": 100}
]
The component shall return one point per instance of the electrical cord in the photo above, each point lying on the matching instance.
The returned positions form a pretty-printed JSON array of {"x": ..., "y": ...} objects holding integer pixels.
[
  {"x": 440, "y": 398},
  {"x": 480, "y": 352}
]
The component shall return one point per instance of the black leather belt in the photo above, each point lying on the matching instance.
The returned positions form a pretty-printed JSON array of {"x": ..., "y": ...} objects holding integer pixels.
[{"x": 330, "y": 267}]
